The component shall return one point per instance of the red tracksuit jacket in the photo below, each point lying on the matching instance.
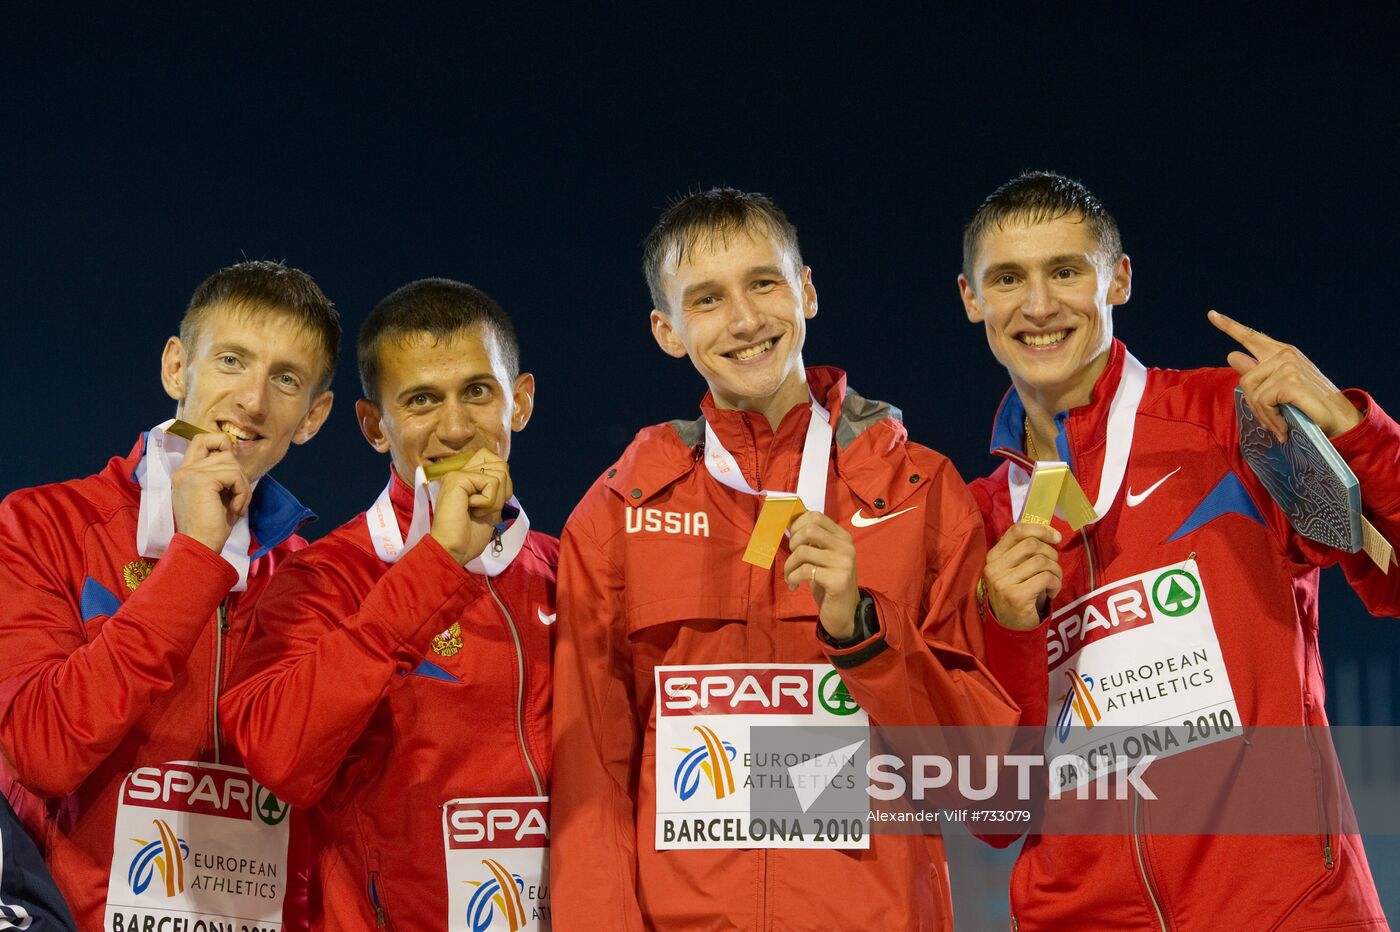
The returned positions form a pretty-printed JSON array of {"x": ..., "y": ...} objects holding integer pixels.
[
  {"x": 344, "y": 706},
  {"x": 1187, "y": 491},
  {"x": 103, "y": 677},
  {"x": 645, "y": 583}
]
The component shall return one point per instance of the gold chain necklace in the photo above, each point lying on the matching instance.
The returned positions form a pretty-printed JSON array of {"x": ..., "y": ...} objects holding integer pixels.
[{"x": 1030, "y": 442}]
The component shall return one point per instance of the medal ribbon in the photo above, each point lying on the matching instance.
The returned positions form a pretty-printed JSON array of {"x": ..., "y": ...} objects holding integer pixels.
[
  {"x": 1122, "y": 418},
  {"x": 390, "y": 544},
  {"x": 811, "y": 477},
  {"x": 155, "y": 524}
]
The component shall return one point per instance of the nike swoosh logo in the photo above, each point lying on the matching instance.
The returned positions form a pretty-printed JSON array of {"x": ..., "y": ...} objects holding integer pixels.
[
  {"x": 860, "y": 520},
  {"x": 1135, "y": 500},
  {"x": 546, "y": 619}
]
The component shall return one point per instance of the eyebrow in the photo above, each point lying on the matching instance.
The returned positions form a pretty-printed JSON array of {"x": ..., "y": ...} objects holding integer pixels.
[
  {"x": 430, "y": 387},
  {"x": 772, "y": 271},
  {"x": 1068, "y": 258}
]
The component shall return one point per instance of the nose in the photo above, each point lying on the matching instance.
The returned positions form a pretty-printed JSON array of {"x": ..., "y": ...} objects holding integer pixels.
[
  {"x": 252, "y": 395},
  {"x": 743, "y": 316},
  {"x": 1040, "y": 301},
  {"x": 454, "y": 427}
]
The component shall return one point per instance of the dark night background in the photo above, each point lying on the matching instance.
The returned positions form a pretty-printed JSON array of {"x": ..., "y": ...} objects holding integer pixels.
[{"x": 1249, "y": 157}]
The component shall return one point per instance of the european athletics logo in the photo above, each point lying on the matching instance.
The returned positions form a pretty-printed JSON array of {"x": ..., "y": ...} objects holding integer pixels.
[
  {"x": 1078, "y": 699},
  {"x": 712, "y": 757},
  {"x": 166, "y": 854},
  {"x": 502, "y": 890}
]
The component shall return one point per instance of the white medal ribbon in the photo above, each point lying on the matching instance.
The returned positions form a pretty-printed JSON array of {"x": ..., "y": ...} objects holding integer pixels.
[
  {"x": 811, "y": 477},
  {"x": 1122, "y": 418},
  {"x": 155, "y": 524},
  {"x": 390, "y": 544}
]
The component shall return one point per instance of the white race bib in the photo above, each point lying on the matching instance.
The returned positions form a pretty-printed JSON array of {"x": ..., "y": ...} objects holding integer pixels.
[
  {"x": 197, "y": 843},
  {"x": 1135, "y": 670},
  {"x": 497, "y": 853},
  {"x": 703, "y": 755}
]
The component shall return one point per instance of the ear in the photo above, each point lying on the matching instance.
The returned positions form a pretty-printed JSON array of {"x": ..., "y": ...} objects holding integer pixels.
[
  {"x": 524, "y": 401},
  {"x": 372, "y": 424},
  {"x": 809, "y": 294},
  {"x": 315, "y": 416},
  {"x": 665, "y": 334},
  {"x": 1120, "y": 287},
  {"x": 969, "y": 300},
  {"x": 174, "y": 369}
]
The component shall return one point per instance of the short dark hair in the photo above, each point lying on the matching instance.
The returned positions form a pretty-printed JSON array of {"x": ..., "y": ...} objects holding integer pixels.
[
  {"x": 439, "y": 307},
  {"x": 261, "y": 285},
  {"x": 705, "y": 216},
  {"x": 1040, "y": 197}
]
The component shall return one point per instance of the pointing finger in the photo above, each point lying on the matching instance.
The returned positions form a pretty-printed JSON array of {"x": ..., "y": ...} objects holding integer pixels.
[{"x": 1260, "y": 344}]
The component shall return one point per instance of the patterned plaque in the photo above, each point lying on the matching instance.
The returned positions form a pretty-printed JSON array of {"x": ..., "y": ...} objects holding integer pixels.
[{"x": 1306, "y": 476}]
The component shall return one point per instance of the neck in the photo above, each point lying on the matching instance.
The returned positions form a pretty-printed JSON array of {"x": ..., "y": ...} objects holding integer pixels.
[
  {"x": 774, "y": 407},
  {"x": 1043, "y": 402}
]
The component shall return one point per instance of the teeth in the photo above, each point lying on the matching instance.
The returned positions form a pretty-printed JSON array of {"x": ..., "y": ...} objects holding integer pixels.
[
  {"x": 1043, "y": 339},
  {"x": 234, "y": 434},
  {"x": 753, "y": 351}
]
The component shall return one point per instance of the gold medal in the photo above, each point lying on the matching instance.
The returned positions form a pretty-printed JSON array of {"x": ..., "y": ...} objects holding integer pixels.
[
  {"x": 777, "y": 513},
  {"x": 135, "y": 572},
  {"x": 1052, "y": 485},
  {"x": 449, "y": 642}
]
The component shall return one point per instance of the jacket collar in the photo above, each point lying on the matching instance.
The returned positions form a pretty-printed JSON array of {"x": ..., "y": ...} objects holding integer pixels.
[
  {"x": 664, "y": 453},
  {"x": 273, "y": 515}
]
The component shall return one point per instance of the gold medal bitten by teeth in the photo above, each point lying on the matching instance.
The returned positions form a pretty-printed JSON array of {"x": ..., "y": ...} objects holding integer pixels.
[
  {"x": 443, "y": 467},
  {"x": 187, "y": 431}
]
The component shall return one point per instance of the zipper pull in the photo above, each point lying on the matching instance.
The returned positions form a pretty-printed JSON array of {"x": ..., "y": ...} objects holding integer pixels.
[
  {"x": 381, "y": 918},
  {"x": 223, "y": 618},
  {"x": 1327, "y": 856},
  {"x": 496, "y": 545}
]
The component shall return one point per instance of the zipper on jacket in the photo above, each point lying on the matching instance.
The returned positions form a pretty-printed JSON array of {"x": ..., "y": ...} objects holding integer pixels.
[
  {"x": 220, "y": 632},
  {"x": 1142, "y": 864},
  {"x": 381, "y": 916},
  {"x": 520, "y": 690},
  {"x": 1015, "y": 924},
  {"x": 1328, "y": 861}
]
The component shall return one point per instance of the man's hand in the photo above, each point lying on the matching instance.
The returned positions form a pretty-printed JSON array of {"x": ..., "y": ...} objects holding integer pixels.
[
  {"x": 1022, "y": 575},
  {"x": 209, "y": 492},
  {"x": 1273, "y": 373},
  {"x": 824, "y": 557},
  {"x": 469, "y": 505}
]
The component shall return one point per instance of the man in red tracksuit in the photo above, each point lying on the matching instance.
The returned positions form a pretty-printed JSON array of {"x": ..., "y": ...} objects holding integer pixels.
[
  {"x": 1182, "y": 521},
  {"x": 127, "y": 598},
  {"x": 400, "y": 685},
  {"x": 873, "y": 589}
]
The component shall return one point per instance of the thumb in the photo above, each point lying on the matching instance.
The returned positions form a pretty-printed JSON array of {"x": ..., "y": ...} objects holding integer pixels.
[{"x": 1241, "y": 362}]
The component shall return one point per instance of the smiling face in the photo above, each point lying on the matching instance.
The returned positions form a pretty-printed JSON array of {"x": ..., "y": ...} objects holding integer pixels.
[
  {"x": 1045, "y": 293},
  {"x": 440, "y": 396},
  {"x": 252, "y": 374},
  {"x": 738, "y": 307}
]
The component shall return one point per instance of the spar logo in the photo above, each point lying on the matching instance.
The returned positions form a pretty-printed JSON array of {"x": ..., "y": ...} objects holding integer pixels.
[
  {"x": 510, "y": 822},
  {"x": 1097, "y": 616},
  {"x": 165, "y": 855},
  {"x": 1176, "y": 593},
  {"x": 835, "y": 697},
  {"x": 738, "y": 691},
  {"x": 503, "y": 891},
  {"x": 712, "y": 758},
  {"x": 1078, "y": 702},
  {"x": 202, "y": 790}
]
